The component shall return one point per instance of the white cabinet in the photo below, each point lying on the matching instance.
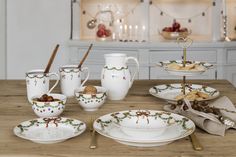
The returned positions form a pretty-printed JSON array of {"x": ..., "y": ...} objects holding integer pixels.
[
  {"x": 34, "y": 27},
  {"x": 230, "y": 65},
  {"x": 203, "y": 17},
  {"x": 221, "y": 54}
]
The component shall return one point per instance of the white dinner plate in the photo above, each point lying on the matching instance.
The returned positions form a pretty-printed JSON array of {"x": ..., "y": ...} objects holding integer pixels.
[
  {"x": 105, "y": 126},
  {"x": 49, "y": 130},
  {"x": 202, "y": 67},
  {"x": 168, "y": 92}
]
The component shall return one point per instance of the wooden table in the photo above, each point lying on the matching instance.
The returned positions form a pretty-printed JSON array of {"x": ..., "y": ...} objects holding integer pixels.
[{"x": 14, "y": 109}]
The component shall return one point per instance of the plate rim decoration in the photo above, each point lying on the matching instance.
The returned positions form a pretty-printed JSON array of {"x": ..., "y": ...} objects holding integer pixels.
[
  {"x": 172, "y": 85},
  {"x": 108, "y": 123},
  {"x": 142, "y": 113},
  {"x": 165, "y": 63},
  {"x": 79, "y": 127}
]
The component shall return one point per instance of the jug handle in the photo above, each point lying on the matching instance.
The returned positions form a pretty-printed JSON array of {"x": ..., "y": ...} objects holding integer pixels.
[{"x": 137, "y": 68}]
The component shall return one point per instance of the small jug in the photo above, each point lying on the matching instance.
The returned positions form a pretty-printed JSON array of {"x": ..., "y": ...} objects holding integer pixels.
[{"x": 116, "y": 77}]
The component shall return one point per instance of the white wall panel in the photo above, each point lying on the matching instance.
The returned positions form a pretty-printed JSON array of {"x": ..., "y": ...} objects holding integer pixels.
[
  {"x": 2, "y": 40},
  {"x": 34, "y": 27}
]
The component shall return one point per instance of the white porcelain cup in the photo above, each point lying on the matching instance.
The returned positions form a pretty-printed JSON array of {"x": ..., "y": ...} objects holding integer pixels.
[
  {"x": 70, "y": 79},
  {"x": 37, "y": 83}
]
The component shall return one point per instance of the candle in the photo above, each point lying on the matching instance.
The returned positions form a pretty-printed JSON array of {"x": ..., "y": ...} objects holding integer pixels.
[
  {"x": 113, "y": 36},
  {"x": 116, "y": 30},
  {"x": 121, "y": 27},
  {"x": 136, "y": 32},
  {"x": 130, "y": 27},
  {"x": 224, "y": 7},
  {"x": 120, "y": 32},
  {"x": 143, "y": 33},
  {"x": 130, "y": 32},
  {"x": 144, "y": 28},
  {"x": 125, "y": 31},
  {"x": 125, "y": 27}
]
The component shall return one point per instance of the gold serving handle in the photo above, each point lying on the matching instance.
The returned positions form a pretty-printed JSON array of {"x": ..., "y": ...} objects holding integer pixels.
[
  {"x": 184, "y": 43},
  {"x": 93, "y": 143},
  {"x": 195, "y": 142}
]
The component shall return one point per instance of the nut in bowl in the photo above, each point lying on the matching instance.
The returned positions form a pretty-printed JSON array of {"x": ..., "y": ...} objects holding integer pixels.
[
  {"x": 143, "y": 124},
  {"x": 91, "y": 98},
  {"x": 51, "y": 105}
]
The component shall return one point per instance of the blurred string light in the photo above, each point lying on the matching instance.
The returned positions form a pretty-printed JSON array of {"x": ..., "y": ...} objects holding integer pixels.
[
  {"x": 189, "y": 18},
  {"x": 118, "y": 18}
]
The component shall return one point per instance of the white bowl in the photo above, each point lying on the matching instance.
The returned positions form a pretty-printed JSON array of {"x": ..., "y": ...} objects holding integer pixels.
[
  {"x": 91, "y": 102},
  {"x": 175, "y": 35},
  {"x": 143, "y": 124},
  {"x": 49, "y": 109}
]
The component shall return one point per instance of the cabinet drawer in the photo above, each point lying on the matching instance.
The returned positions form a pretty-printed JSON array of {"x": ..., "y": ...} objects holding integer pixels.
[
  {"x": 97, "y": 56},
  {"x": 231, "y": 74},
  {"x": 231, "y": 57},
  {"x": 208, "y": 56},
  {"x": 95, "y": 71}
]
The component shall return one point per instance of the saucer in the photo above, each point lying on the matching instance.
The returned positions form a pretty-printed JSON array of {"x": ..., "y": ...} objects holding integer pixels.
[{"x": 49, "y": 130}]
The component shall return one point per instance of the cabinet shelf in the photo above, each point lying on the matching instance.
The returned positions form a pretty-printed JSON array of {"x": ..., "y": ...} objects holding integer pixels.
[
  {"x": 206, "y": 33},
  {"x": 201, "y": 17}
]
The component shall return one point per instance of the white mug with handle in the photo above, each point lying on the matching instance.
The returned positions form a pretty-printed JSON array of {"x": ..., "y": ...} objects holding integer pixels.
[
  {"x": 37, "y": 83},
  {"x": 70, "y": 79}
]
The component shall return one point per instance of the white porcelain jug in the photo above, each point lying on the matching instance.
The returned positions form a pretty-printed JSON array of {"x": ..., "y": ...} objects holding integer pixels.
[{"x": 116, "y": 77}]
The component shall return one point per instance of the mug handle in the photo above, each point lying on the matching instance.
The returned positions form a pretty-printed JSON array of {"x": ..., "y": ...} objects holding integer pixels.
[
  {"x": 57, "y": 81},
  {"x": 137, "y": 68},
  {"x": 86, "y": 78}
]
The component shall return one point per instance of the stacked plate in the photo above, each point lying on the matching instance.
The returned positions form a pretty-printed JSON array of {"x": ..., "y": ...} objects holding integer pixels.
[
  {"x": 192, "y": 68},
  {"x": 171, "y": 92},
  {"x": 144, "y": 128}
]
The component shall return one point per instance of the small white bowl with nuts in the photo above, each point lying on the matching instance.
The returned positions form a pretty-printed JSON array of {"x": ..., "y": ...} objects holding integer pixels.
[
  {"x": 90, "y": 97},
  {"x": 51, "y": 105}
]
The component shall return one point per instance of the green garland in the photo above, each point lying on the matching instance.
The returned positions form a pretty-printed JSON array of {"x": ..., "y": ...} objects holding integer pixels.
[
  {"x": 114, "y": 68},
  {"x": 47, "y": 104},
  {"x": 36, "y": 122}
]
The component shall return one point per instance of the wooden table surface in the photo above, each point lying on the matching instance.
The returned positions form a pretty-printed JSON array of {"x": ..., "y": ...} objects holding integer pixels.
[{"x": 14, "y": 109}]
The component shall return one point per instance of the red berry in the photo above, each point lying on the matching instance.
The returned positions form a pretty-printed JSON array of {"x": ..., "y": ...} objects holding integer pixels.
[
  {"x": 101, "y": 26},
  {"x": 176, "y": 26},
  {"x": 183, "y": 30},
  {"x": 168, "y": 29},
  {"x": 164, "y": 29},
  {"x": 107, "y": 32},
  {"x": 101, "y": 33}
]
